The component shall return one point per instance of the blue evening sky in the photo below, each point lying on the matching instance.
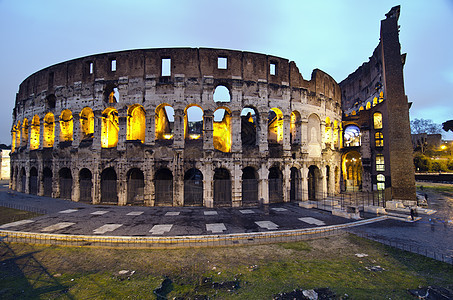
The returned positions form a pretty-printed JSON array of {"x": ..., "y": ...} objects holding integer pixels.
[{"x": 332, "y": 35}]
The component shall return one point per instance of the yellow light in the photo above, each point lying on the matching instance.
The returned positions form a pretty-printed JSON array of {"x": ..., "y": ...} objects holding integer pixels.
[
  {"x": 443, "y": 147},
  {"x": 194, "y": 136},
  {"x": 168, "y": 136}
]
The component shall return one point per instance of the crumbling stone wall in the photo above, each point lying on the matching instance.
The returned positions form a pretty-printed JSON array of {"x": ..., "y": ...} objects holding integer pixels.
[{"x": 161, "y": 172}]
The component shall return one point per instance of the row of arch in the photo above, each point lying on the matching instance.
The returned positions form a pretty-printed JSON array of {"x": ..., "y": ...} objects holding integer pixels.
[
  {"x": 163, "y": 185},
  {"x": 164, "y": 127}
]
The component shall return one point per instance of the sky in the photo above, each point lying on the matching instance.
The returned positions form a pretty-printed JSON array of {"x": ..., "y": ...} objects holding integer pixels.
[{"x": 336, "y": 36}]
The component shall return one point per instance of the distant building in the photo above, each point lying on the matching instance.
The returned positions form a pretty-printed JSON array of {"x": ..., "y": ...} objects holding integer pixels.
[{"x": 5, "y": 164}]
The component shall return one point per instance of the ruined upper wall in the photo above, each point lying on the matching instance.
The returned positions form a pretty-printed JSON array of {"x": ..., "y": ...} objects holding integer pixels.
[{"x": 190, "y": 63}]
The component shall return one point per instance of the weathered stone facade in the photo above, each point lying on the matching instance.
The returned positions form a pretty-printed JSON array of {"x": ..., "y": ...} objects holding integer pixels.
[
  {"x": 289, "y": 157},
  {"x": 150, "y": 127}
]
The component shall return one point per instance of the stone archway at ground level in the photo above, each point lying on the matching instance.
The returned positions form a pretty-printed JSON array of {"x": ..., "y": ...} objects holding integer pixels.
[
  {"x": 163, "y": 184},
  {"x": 85, "y": 186},
  {"x": 249, "y": 187},
  {"x": 135, "y": 187},
  {"x": 222, "y": 187},
  {"x": 314, "y": 183},
  {"x": 108, "y": 186},
  {"x": 193, "y": 188}
]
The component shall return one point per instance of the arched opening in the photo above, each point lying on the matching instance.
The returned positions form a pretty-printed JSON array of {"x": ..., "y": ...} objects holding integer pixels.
[
  {"x": 51, "y": 101},
  {"x": 111, "y": 94},
  {"x": 49, "y": 130},
  {"x": 314, "y": 181},
  {"x": 163, "y": 184},
  {"x": 295, "y": 128},
  {"x": 47, "y": 181},
  {"x": 65, "y": 181},
  {"x": 66, "y": 126},
  {"x": 193, "y": 188},
  {"x": 222, "y": 188},
  {"x": 110, "y": 128},
  {"x": 18, "y": 133},
  {"x": 34, "y": 133},
  {"x": 85, "y": 185},
  {"x": 165, "y": 120},
  {"x": 249, "y": 120},
  {"x": 295, "y": 193},
  {"x": 13, "y": 138},
  {"x": 275, "y": 181},
  {"x": 314, "y": 130},
  {"x": 377, "y": 120},
  {"x": 249, "y": 187},
  {"x": 135, "y": 187},
  {"x": 328, "y": 185},
  {"x": 222, "y": 129},
  {"x": 351, "y": 136},
  {"x": 23, "y": 178},
  {"x": 193, "y": 122},
  {"x": 328, "y": 131},
  {"x": 24, "y": 133},
  {"x": 222, "y": 94},
  {"x": 33, "y": 181},
  {"x": 335, "y": 133},
  {"x": 109, "y": 192},
  {"x": 136, "y": 123},
  {"x": 352, "y": 171},
  {"x": 87, "y": 124},
  {"x": 275, "y": 126}
]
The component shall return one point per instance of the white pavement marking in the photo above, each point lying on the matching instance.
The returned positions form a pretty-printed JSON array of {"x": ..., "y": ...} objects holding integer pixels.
[
  {"x": 279, "y": 209},
  {"x": 17, "y": 223},
  {"x": 99, "y": 212},
  {"x": 172, "y": 213},
  {"x": 210, "y": 213},
  {"x": 161, "y": 229},
  {"x": 246, "y": 211},
  {"x": 107, "y": 227},
  {"x": 135, "y": 213},
  {"x": 216, "y": 227},
  {"x": 57, "y": 226},
  {"x": 266, "y": 225},
  {"x": 68, "y": 211},
  {"x": 313, "y": 221}
]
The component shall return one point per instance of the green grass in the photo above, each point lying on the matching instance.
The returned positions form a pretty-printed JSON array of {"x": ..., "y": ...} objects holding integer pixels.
[
  {"x": 37, "y": 272},
  {"x": 8, "y": 215}
]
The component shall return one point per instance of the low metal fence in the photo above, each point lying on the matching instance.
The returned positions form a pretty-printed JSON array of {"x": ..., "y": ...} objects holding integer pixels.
[{"x": 24, "y": 207}]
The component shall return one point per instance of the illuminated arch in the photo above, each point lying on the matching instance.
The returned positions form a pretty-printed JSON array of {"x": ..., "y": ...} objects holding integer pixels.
[
  {"x": 295, "y": 128},
  {"x": 13, "y": 138},
  {"x": 352, "y": 171},
  {"x": 18, "y": 131},
  {"x": 368, "y": 105},
  {"x": 193, "y": 122},
  {"x": 335, "y": 132},
  {"x": 24, "y": 132},
  {"x": 328, "y": 133},
  {"x": 87, "y": 123},
  {"x": 66, "y": 126},
  {"x": 110, "y": 128},
  {"x": 222, "y": 129},
  {"x": 165, "y": 119},
  {"x": 375, "y": 101},
  {"x": 136, "y": 123},
  {"x": 49, "y": 130},
  {"x": 275, "y": 126},
  {"x": 34, "y": 133},
  {"x": 377, "y": 120}
]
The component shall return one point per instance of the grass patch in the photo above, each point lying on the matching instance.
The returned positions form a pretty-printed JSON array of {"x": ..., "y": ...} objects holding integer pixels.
[
  {"x": 8, "y": 215},
  {"x": 260, "y": 271}
]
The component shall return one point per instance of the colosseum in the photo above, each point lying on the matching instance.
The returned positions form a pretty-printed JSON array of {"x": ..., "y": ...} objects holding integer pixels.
[{"x": 190, "y": 127}]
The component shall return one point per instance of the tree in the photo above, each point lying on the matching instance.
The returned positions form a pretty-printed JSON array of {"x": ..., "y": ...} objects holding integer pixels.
[
  {"x": 425, "y": 126},
  {"x": 448, "y": 125}
]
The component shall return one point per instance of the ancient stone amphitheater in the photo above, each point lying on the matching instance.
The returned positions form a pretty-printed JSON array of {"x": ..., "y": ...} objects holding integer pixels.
[{"x": 177, "y": 127}]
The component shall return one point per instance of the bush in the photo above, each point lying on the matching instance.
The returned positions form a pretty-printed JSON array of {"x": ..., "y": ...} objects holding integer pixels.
[
  {"x": 422, "y": 163},
  {"x": 450, "y": 165},
  {"x": 439, "y": 166}
]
